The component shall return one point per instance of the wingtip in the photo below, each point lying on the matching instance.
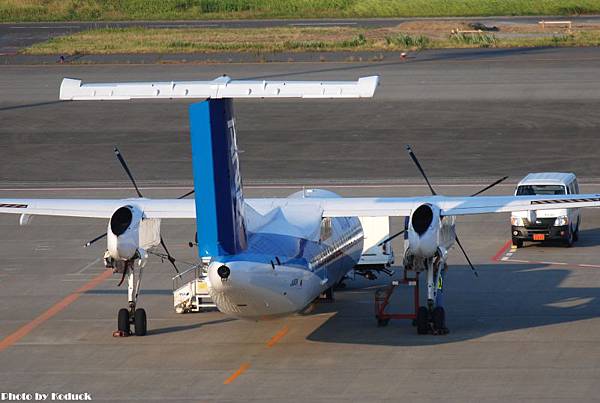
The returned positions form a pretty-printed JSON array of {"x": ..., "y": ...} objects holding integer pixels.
[{"x": 68, "y": 88}]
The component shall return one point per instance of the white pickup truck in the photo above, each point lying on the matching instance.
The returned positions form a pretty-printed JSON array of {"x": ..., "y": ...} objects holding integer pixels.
[{"x": 546, "y": 225}]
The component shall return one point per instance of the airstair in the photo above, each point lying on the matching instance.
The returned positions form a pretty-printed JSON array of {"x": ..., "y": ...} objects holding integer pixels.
[{"x": 190, "y": 290}]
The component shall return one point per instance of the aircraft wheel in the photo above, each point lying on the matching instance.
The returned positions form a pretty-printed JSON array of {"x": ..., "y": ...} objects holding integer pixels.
[
  {"x": 439, "y": 320},
  {"x": 382, "y": 322},
  {"x": 123, "y": 320},
  {"x": 423, "y": 320},
  {"x": 139, "y": 322}
]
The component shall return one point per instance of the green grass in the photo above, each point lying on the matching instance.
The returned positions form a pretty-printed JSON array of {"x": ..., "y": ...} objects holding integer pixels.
[
  {"x": 283, "y": 39},
  {"x": 479, "y": 39},
  {"x": 71, "y": 10},
  {"x": 406, "y": 41}
]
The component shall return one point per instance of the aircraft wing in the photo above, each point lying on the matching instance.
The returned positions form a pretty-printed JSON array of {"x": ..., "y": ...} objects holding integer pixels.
[
  {"x": 99, "y": 208},
  {"x": 330, "y": 207},
  {"x": 451, "y": 205}
]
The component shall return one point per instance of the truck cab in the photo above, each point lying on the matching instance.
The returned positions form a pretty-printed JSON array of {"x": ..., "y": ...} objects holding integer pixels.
[{"x": 546, "y": 225}]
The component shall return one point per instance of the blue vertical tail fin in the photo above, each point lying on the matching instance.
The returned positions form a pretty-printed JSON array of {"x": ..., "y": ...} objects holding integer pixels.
[{"x": 217, "y": 182}]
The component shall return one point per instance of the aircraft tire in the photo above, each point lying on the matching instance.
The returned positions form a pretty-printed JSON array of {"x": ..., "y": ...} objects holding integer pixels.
[
  {"x": 139, "y": 322},
  {"x": 123, "y": 320},
  {"x": 438, "y": 317},
  {"x": 423, "y": 320},
  {"x": 382, "y": 322}
]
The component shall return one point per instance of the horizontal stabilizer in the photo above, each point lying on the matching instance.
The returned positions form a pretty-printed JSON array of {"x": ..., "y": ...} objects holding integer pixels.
[{"x": 222, "y": 87}]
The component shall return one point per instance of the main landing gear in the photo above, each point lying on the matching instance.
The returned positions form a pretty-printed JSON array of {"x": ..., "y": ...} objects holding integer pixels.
[
  {"x": 429, "y": 319},
  {"x": 132, "y": 315}
]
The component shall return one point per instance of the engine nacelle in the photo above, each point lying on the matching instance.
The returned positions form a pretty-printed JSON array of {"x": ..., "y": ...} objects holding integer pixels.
[
  {"x": 424, "y": 229},
  {"x": 129, "y": 232}
]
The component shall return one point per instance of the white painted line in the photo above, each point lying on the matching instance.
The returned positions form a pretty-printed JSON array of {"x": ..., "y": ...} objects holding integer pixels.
[
  {"x": 553, "y": 263},
  {"x": 504, "y": 259},
  {"x": 589, "y": 265},
  {"x": 509, "y": 254},
  {"x": 517, "y": 260},
  {"x": 87, "y": 266}
]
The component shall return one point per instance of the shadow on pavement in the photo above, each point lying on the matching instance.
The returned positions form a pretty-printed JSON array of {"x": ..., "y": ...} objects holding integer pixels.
[{"x": 503, "y": 298}]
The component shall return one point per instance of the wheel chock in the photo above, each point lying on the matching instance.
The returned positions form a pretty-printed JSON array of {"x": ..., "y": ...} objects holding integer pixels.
[{"x": 120, "y": 333}]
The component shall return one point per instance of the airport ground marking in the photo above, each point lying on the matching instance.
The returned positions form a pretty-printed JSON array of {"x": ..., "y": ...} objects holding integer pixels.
[
  {"x": 272, "y": 341},
  {"x": 278, "y": 336},
  {"x": 507, "y": 251},
  {"x": 237, "y": 373},
  {"x": 498, "y": 256},
  {"x": 52, "y": 311}
]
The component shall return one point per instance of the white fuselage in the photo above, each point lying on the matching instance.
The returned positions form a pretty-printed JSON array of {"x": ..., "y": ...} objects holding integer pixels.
[{"x": 293, "y": 256}]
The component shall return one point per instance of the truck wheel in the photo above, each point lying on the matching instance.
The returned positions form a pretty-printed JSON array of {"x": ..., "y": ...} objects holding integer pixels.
[
  {"x": 517, "y": 242},
  {"x": 576, "y": 234},
  {"x": 570, "y": 239}
]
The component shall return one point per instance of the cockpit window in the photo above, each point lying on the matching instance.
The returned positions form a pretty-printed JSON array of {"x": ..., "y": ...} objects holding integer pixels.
[{"x": 530, "y": 190}]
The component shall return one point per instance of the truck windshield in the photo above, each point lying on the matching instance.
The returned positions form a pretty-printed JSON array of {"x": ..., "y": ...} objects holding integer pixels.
[{"x": 529, "y": 190}]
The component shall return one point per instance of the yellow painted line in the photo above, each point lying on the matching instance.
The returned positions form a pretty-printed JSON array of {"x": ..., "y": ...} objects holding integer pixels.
[
  {"x": 237, "y": 373},
  {"x": 52, "y": 311},
  {"x": 278, "y": 336}
]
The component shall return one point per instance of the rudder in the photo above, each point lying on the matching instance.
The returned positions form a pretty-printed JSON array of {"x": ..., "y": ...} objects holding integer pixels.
[{"x": 217, "y": 182}]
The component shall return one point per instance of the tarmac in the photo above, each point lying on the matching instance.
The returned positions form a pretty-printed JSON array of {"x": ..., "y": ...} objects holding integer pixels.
[{"x": 525, "y": 329}]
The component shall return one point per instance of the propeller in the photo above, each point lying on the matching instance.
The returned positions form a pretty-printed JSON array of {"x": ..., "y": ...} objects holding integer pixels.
[
  {"x": 119, "y": 156},
  {"x": 94, "y": 240},
  {"x": 420, "y": 168},
  {"x": 391, "y": 237},
  {"x": 416, "y": 161},
  {"x": 466, "y": 256},
  {"x": 490, "y": 186},
  {"x": 127, "y": 171}
]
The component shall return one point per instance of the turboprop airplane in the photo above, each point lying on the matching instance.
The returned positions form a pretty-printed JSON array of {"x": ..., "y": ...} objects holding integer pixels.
[{"x": 267, "y": 257}]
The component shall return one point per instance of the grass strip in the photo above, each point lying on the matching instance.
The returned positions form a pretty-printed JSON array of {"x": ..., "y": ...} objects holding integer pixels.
[
  {"x": 288, "y": 39},
  {"x": 99, "y": 10}
]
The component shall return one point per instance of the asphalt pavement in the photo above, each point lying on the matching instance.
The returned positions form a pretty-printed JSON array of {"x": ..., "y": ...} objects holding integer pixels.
[{"x": 525, "y": 329}]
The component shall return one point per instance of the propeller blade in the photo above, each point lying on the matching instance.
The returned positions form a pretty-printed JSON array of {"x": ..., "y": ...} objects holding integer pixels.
[
  {"x": 169, "y": 257},
  {"x": 466, "y": 256},
  {"x": 419, "y": 167},
  {"x": 191, "y": 192},
  {"x": 94, "y": 240},
  {"x": 126, "y": 168},
  {"x": 490, "y": 186},
  {"x": 391, "y": 237}
]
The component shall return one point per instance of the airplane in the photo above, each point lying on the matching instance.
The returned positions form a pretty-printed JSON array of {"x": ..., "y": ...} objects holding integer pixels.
[{"x": 267, "y": 257}]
